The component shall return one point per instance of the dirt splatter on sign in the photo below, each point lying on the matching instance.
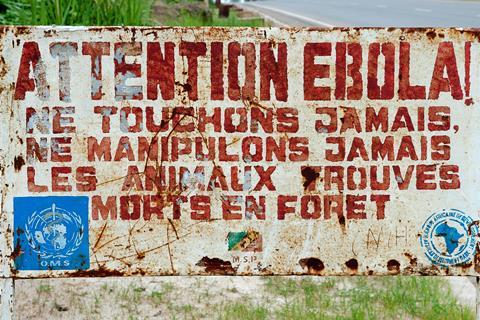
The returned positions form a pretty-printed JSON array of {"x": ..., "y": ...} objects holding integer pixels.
[{"x": 161, "y": 151}]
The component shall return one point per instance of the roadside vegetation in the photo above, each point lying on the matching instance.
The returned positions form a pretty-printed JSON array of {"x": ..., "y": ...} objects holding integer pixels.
[
  {"x": 187, "y": 19},
  {"x": 76, "y": 12},
  {"x": 366, "y": 298},
  {"x": 118, "y": 13},
  {"x": 195, "y": 13},
  {"x": 282, "y": 298}
]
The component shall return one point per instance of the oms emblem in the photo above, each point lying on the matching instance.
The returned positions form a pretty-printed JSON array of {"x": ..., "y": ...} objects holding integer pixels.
[
  {"x": 449, "y": 238},
  {"x": 51, "y": 233}
]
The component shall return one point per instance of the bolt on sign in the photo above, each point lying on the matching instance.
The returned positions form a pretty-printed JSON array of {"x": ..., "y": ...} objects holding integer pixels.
[{"x": 162, "y": 151}]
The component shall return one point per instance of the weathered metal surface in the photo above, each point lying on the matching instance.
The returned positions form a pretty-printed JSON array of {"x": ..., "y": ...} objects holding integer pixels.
[{"x": 239, "y": 151}]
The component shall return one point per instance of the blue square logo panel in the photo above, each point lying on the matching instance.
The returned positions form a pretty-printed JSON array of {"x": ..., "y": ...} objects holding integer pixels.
[{"x": 51, "y": 233}]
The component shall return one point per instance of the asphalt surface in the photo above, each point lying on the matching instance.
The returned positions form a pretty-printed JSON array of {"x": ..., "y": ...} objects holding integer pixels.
[{"x": 370, "y": 13}]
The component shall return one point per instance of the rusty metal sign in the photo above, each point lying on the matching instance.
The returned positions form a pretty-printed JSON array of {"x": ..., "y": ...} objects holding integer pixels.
[{"x": 173, "y": 151}]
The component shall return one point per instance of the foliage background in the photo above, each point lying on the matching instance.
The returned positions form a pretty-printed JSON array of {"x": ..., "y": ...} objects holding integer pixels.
[{"x": 76, "y": 12}]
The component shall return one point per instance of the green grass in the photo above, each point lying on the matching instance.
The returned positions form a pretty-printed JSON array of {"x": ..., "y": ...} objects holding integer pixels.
[
  {"x": 422, "y": 298},
  {"x": 44, "y": 288},
  {"x": 372, "y": 298},
  {"x": 242, "y": 311},
  {"x": 107, "y": 13},
  {"x": 76, "y": 12},
  {"x": 161, "y": 296},
  {"x": 284, "y": 298},
  {"x": 276, "y": 298},
  {"x": 212, "y": 19}
]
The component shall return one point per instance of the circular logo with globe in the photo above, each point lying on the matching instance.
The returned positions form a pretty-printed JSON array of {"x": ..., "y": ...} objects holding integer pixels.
[
  {"x": 54, "y": 232},
  {"x": 449, "y": 237}
]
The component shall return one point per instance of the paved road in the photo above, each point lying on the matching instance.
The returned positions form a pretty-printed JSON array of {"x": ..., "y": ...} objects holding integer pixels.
[{"x": 371, "y": 13}]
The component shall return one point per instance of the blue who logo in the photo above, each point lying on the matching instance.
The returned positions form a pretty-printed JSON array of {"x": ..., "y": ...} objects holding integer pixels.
[
  {"x": 51, "y": 233},
  {"x": 449, "y": 238}
]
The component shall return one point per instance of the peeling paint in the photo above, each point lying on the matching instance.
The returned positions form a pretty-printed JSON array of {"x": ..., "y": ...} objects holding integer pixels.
[{"x": 206, "y": 151}]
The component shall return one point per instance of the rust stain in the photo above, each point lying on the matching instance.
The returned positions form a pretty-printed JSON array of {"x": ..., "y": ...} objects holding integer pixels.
[
  {"x": 352, "y": 265},
  {"x": 18, "y": 163},
  {"x": 310, "y": 176},
  {"x": 431, "y": 34},
  {"x": 411, "y": 258},
  {"x": 393, "y": 266},
  {"x": 474, "y": 223},
  {"x": 170, "y": 254},
  {"x": 122, "y": 253},
  {"x": 428, "y": 271},
  {"x": 173, "y": 227},
  {"x": 100, "y": 235},
  {"x": 313, "y": 265},
  {"x": 17, "y": 251},
  {"x": 102, "y": 272},
  {"x": 466, "y": 266},
  {"x": 216, "y": 266},
  {"x": 342, "y": 222},
  {"x": 476, "y": 258}
]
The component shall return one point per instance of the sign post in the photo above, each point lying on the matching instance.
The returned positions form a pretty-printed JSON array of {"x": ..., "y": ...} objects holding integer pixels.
[
  {"x": 243, "y": 151},
  {"x": 478, "y": 298},
  {"x": 6, "y": 298}
]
